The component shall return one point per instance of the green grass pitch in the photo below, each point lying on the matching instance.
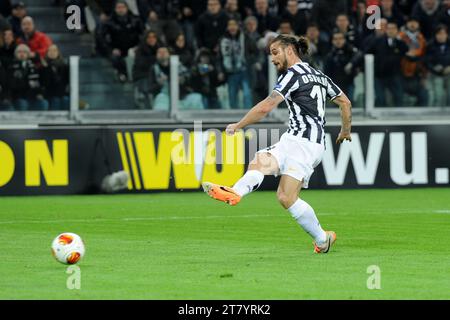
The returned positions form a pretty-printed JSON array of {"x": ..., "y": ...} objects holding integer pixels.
[{"x": 188, "y": 246}]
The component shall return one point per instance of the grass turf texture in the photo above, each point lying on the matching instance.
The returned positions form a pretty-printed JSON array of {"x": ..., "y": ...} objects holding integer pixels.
[{"x": 187, "y": 246}]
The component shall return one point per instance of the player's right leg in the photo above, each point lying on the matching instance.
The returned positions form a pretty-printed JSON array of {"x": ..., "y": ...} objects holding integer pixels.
[
  {"x": 287, "y": 193},
  {"x": 263, "y": 164}
]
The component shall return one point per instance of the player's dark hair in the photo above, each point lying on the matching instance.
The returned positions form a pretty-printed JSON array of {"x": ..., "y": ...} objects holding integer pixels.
[{"x": 300, "y": 44}]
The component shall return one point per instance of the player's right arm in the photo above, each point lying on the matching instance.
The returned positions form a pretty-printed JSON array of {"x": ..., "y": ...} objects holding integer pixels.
[{"x": 257, "y": 113}]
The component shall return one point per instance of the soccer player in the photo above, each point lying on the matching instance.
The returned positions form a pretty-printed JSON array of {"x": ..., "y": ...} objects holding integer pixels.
[{"x": 301, "y": 148}]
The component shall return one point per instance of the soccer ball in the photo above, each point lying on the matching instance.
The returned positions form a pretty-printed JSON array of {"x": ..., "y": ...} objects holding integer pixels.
[{"x": 68, "y": 248}]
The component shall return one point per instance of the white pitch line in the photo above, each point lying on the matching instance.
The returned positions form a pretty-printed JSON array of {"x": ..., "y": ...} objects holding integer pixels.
[
  {"x": 442, "y": 211},
  {"x": 167, "y": 218},
  {"x": 172, "y": 218}
]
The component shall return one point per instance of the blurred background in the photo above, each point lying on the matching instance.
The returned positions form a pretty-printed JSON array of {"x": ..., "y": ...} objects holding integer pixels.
[{"x": 155, "y": 61}]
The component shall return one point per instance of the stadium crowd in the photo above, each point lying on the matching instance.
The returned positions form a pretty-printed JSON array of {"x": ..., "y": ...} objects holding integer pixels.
[
  {"x": 225, "y": 43},
  {"x": 33, "y": 74}
]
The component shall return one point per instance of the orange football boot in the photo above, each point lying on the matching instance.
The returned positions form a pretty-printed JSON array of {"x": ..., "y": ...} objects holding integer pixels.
[
  {"x": 325, "y": 247},
  {"x": 221, "y": 193}
]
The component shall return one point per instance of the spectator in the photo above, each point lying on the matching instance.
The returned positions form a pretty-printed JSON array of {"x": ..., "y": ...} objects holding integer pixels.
[
  {"x": 18, "y": 12},
  {"x": 285, "y": 28},
  {"x": 165, "y": 13},
  {"x": 160, "y": 84},
  {"x": 196, "y": 7},
  {"x": 299, "y": 19},
  {"x": 120, "y": 34},
  {"x": 7, "y": 47},
  {"x": 236, "y": 50},
  {"x": 206, "y": 78},
  {"x": 247, "y": 7},
  {"x": 164, "y": 9},
  {"x": 438, "y": 62},
  {"x": 444, "y": 14},
  {"x": 5, "y": 8},
  {"x": 325, "y": 12},
  {"x": 251, "y": 28},
  {"x": 4, "y": 25},
  {"x": 368, "y": 41},
  {"x": 5, "y": 105},
  {"x": 405, "y": 6},
  {"x": 101, "y": 11},
  {"x": 318, "y": 48},
  {"x": 183, "y": 50},
  {"x": 412, "y": 66},
  {"x": 187, "y": 20},
  {"x": 305, "y": 7},
  {"x": 343, "y": 26},
  {"x": 55, "y": 78},
  {"x": 258, "y": 74},
  {"x": 24, "y": 82},
  {"x": 154, "y": 24},
  {"x": 145, "y": 55},
  {"x": 427, "y": 13},
  {"x": 360, "y": 17},
  {"x": 159, "y": 79},
  {"x": 102, "y": 8},
  {"x": 274, "y": 8},
  {"x": 339, "y": 64},
  {"x": 144, "y": 60},
  {"x": 388, "y": 51},
  {"x": 391, "y": 13},
  {"x": 211, "y": 26},
  {"x": 232, "y": 10},
  {"x": 37, "y": 41},
  {"x": 267, "y": 21}
]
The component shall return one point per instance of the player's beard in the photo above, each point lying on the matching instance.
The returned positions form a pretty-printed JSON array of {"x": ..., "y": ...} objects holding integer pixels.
[{"x": 284, "y": 66}]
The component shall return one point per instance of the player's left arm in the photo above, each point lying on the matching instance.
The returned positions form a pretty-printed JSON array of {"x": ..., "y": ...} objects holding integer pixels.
[
  {"x": 346, "y": 115},
  {"x": 257, "y": 113}
]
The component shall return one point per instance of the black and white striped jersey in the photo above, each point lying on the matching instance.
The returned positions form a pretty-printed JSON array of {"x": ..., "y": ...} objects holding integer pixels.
[{"x": 305, "y": 91}]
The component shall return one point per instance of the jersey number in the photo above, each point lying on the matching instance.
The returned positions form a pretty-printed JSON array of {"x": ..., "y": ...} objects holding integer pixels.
[{"x": 320, "y": 94}]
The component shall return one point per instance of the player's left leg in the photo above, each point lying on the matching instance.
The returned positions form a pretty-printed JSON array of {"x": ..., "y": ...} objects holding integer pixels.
[{"x": 287, "y": 193}]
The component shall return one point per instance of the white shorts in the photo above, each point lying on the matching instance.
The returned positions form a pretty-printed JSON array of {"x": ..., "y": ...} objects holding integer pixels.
[{"x": 297, "y": 157}]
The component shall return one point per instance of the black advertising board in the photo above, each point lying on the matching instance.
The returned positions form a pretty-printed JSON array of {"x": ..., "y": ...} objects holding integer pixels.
[{"x": 74, "y": 160}]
